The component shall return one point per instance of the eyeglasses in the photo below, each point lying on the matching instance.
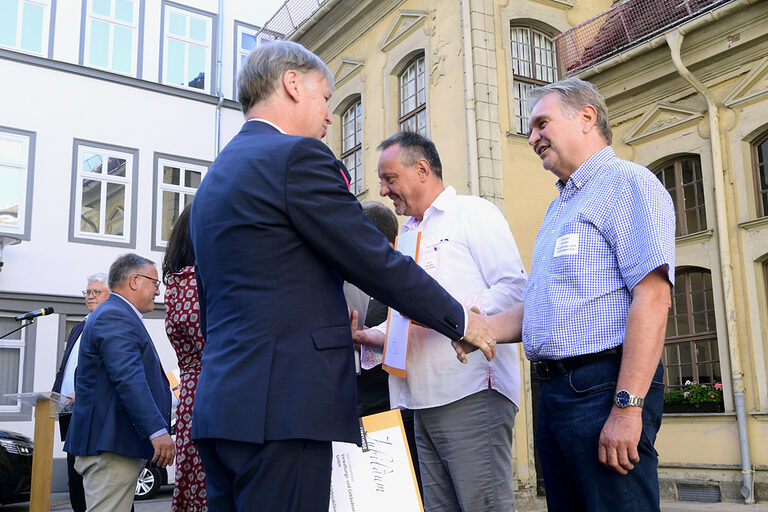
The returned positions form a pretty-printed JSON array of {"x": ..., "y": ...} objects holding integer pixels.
[
  {"x": 156, "y": 281},
  {"x": 95, "y": 293}
]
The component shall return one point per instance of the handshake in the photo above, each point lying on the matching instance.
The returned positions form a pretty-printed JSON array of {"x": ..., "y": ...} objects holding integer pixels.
[{"x": 483, "y": 333}]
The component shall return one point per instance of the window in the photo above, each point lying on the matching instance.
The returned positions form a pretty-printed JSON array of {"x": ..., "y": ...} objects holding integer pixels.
[
  {"x": 187, "y": 37},
  {"x": 176, "y": 181},
  {"x": 111, "y": 38},
  {"x": 690, "y": 349},
  {"x": 534, "y": 63},
  {"x": 11, "y": 363},
  {"x": 25, "y": 25},
  {"x": 16, "y": 165},
  {"x": 760, "y": 164},
  {"x": 351, "y": 145},
  {"x": 682, "y": 179},
  {"x": 245, "y": 41},
  {"x": 103, "y": 183},
  {"x": 413, "y": 98}
]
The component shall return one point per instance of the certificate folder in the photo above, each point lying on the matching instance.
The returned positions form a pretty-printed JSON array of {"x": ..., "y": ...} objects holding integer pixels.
[{"x": 379, "y": 476}]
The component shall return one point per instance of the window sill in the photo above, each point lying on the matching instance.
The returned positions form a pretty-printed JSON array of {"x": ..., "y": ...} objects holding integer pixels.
[
  {"x": 757, "y": 223},
  {"x": 695, "y": 237}
]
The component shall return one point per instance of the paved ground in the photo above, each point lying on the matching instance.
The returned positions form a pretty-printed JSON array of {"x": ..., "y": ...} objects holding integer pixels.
[{"x": 162, "y": 503}]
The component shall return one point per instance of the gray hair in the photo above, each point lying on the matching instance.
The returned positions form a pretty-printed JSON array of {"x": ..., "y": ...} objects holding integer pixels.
[
  {"x": 576, "y": 93},
  {"x": 99, "y": 277},
  {"x": 267, "y": 63},
  {"x": 124, "y": 266}
]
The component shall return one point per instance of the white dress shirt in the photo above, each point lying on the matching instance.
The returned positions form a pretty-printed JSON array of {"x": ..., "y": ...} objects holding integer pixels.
[
  {"x": 466, "y": 245},
  {"x": 68, "y": 381}
]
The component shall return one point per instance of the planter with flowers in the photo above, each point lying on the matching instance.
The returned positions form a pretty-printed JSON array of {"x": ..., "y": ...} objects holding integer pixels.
[{"x": 696, "y": 398}]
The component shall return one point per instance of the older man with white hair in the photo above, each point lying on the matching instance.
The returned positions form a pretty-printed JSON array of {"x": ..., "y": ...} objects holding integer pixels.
[{"x": 96, "y": 291}]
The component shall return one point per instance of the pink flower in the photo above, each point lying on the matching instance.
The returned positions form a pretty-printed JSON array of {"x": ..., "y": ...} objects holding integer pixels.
[
  {"x": 718, "y": 386},
  {"x": 711, "y": 396},
  {"x": 687, "y": 382},
  {"x": 687, "y": 394},
  {"x": 704, "y": 385}
]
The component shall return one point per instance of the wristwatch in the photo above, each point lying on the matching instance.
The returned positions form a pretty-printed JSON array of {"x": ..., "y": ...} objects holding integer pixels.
[{"x": 625, "y": 399}]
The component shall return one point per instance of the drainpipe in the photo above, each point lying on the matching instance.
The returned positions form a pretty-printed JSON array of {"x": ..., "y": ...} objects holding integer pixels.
[
  {"x": 675, "y": 42},
  {"x": 219, "y": 59},
  {"x": 470, "y": 115}
]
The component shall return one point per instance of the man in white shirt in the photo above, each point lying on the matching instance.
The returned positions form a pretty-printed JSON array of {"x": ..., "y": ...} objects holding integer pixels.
[
  {"x": 466, "y": 245},
  {"x": 96, "y": 292}
]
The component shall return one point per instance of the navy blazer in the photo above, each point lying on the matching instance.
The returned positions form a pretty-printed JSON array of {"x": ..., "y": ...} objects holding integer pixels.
[
  {"x": 276, "y": 232},
  {"x": 122, "y": 395}
]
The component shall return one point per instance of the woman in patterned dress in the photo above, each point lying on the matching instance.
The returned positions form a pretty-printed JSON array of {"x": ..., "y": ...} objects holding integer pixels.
[{"x": 182, "y": 325}]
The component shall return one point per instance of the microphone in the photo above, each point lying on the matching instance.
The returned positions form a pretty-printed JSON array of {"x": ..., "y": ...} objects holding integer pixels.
[{"x": 34, "y": 314}]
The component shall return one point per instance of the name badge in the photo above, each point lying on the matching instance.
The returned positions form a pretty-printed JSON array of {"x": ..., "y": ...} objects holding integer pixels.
[{"x": 567, "y": 244}]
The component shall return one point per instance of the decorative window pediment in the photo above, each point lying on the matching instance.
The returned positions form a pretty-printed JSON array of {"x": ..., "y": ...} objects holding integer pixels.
[
  {"x": 347, "y": 67},
  {"x": 659, "y": 119},
  {"x": 752, "y": 87},
  {"x": 404, "y": 23}
]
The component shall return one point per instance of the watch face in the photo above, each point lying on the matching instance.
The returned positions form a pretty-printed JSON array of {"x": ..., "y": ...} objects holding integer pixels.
[{"x": 622, "y": 398}]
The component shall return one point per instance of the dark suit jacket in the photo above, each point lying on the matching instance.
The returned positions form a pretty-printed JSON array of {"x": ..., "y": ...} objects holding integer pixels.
[
  {"x": 122, "y": 393},
  {"x": 276, "y": 232},
  {"x": 73, "y": 335}
]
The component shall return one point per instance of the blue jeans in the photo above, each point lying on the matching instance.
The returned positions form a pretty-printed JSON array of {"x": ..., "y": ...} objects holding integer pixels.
[{"x": 572, "y": 411}]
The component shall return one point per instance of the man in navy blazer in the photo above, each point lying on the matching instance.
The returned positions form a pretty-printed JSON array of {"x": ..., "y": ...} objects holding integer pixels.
[
  {"x": 122, "y": 399},
  {"x": 95, "y": 293},
  {"x": 276, "y": 232}
]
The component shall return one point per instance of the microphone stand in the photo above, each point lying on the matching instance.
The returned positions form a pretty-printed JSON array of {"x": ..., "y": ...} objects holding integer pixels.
[{"x": 27, "y": 324}]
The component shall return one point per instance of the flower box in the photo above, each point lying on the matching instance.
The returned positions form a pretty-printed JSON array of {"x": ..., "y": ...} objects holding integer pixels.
[{"x": 704, "y": 407}]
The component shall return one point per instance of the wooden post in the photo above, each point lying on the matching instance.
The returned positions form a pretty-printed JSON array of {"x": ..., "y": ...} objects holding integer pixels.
[{"x": 42, "y": 457}]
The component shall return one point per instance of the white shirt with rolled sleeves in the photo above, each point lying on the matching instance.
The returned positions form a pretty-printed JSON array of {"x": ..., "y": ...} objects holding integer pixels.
[{"x": 466, "y": 245}]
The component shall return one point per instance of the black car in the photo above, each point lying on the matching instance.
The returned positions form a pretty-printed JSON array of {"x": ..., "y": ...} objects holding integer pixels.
[{"x": 15, "y": 467}]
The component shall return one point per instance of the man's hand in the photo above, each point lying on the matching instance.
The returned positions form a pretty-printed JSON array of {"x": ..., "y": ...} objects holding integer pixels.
[
  {"x": 367, "y": 337},
  {"x": 165, "y": 451},
  {"x": 477, "y": 336},
  {"x": 619, "y": 438}
]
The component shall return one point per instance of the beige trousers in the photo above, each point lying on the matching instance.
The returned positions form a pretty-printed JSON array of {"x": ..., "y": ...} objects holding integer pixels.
[{"x": 109, "y": 480}]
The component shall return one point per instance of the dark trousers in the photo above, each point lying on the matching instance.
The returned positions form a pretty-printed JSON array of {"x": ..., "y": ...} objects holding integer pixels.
[
  {"x": 75, "y": 481},
  {"x": 292, "y": 475},
  {"x": 572, "y": 411}
]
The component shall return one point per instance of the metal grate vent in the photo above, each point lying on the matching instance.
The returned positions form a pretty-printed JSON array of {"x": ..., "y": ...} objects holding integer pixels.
[{"x": 698, "y": 493}]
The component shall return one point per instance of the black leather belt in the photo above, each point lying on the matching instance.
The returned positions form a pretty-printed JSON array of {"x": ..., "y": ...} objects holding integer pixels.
[{"x": 551, "y": 368}]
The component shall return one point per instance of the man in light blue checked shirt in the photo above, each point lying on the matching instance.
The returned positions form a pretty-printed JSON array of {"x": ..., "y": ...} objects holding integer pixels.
[{"x": 595, "y": 309}]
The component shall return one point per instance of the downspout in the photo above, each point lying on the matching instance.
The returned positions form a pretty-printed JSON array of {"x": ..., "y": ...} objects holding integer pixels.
[
  {"x": 219, "y": 59},
  {"x": 470, "y": 115},
  {"x": 675, "y": 42}
]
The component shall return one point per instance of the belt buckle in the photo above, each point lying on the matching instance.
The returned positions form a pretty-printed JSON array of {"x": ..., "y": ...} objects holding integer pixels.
[{"x": 543, "y": 370}]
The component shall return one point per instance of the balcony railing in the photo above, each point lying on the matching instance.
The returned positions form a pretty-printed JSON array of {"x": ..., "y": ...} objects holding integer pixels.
[
  {"x": 290, "y": 16},
  {"x": 624, "y": 25}
]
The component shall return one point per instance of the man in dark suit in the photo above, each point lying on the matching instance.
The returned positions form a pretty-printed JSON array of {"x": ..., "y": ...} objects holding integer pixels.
[
  {"x": 123, "y": 403},
  {"x": 276, "y": 232},
  {"x": 95, "y": 293}
]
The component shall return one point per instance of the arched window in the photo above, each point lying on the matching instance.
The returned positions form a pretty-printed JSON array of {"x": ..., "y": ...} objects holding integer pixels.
[
  {"x": 760, "y": 165},
  {"x": 690, "y": 349},
  {"x": 534, "y": 63},
  {"x": 413, "y": 97},
  {"x": 682, "y": 178},
  {"x": 351, "y": 145}
]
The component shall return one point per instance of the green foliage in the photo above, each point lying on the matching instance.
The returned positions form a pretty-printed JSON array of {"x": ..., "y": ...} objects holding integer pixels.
[{"x": 695, "y": 394}]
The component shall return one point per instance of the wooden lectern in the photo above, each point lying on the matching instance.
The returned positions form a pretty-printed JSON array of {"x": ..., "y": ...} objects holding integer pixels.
[{"x": 47, "y": 405}]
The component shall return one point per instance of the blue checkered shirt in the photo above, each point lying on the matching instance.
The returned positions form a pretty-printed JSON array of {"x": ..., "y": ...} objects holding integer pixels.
[{"x": 613, "y": 224}]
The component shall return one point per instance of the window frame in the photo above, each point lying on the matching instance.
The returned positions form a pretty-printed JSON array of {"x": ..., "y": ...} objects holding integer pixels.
[
  {"x": 137, "y": 44},
  {"x": 403, "y": 117},
  {"x": 357, "y": 175},
  {"x": 683, "y": 280},
  {"x": 760, "y": 209},
  {"x": 161, "y": 159},
  {"x": 240, "y": 28},
  {"x": 47, "y": 29},
  {"x": 520, "y": 103},
  {"x": 25, "y": 206},
  {"x": 131, "y": 155},
  {"x": 681, "y": 225},
  {"x": 28, "y": 335},
  {"x": 210, "y": 71}
]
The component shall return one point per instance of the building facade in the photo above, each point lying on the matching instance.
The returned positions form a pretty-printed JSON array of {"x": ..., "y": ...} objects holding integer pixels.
[{"x": 459, "y": 72}]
